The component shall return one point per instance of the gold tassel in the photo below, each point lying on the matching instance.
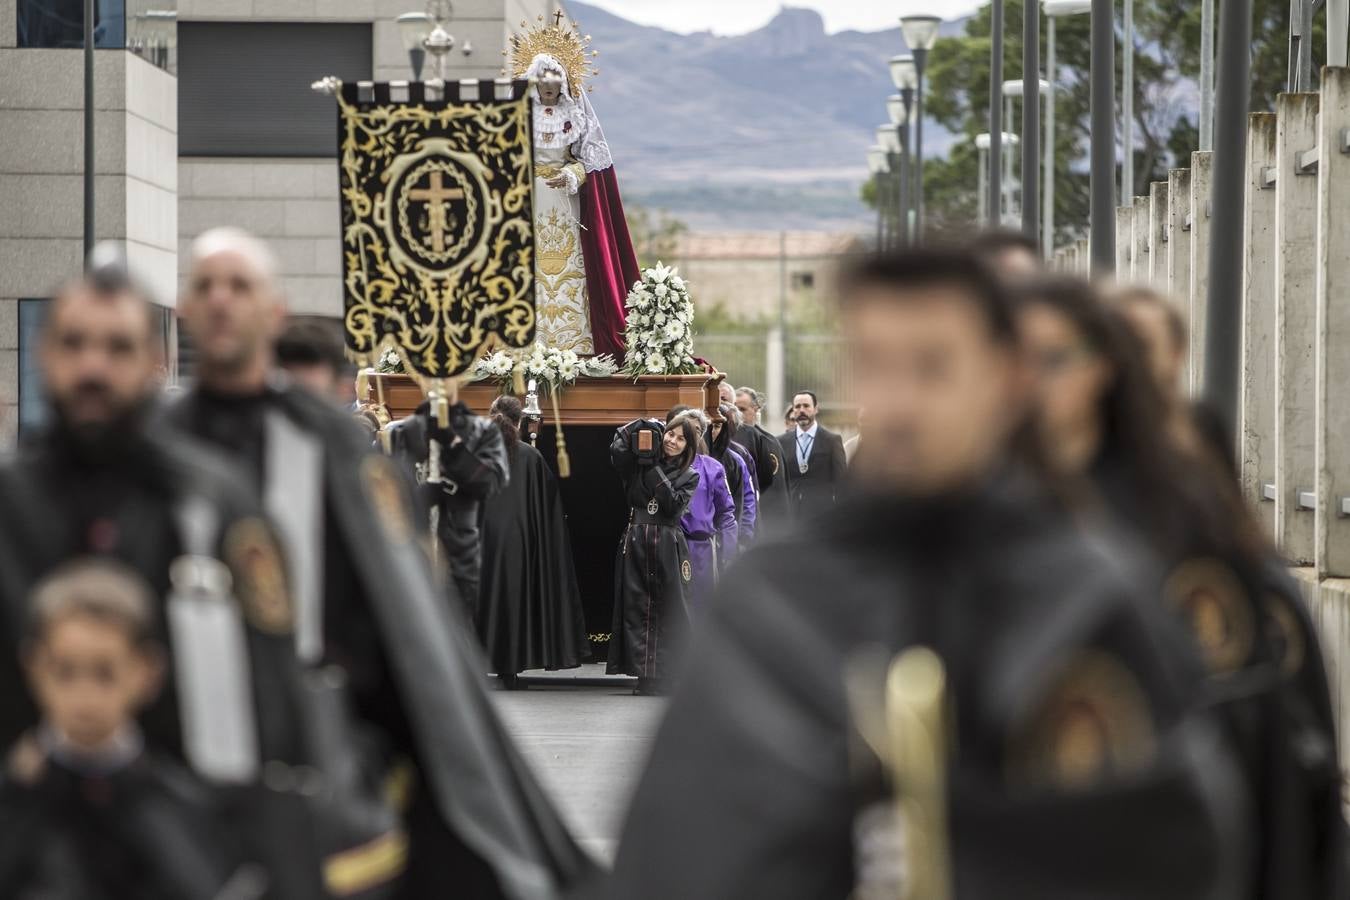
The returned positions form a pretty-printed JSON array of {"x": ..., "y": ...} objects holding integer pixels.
[
  {"x": 441, "y": 403},
  {"x": 363, "y": 385},
  {"x": 379, "y": 389},
  {"x": 564, "y": 461},
  {"x": 518, "y": 382}
]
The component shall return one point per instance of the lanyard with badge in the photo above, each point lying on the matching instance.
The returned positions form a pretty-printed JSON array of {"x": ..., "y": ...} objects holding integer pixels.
[{"x": 804, "y": 451}]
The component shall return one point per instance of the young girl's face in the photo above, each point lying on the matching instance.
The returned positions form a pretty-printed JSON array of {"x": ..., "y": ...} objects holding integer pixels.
[
  {"x": 674, "y": 443},
  {"x": 90, "y": 679}
]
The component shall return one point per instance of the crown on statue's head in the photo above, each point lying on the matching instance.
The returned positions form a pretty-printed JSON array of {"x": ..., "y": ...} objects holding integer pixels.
[{"x": 555, "y": 38}]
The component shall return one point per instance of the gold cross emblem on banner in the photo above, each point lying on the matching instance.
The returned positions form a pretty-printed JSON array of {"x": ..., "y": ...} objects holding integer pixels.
[{"x": 437, "y": 198}]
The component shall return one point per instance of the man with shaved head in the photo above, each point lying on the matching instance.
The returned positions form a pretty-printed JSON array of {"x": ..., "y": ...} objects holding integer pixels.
[
  {"x": 97, "y": 482},
  {"x": 367, "y": 605}
]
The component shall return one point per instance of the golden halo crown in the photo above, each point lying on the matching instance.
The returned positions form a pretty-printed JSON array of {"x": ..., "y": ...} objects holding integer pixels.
[{"x": 558, "y": 39}]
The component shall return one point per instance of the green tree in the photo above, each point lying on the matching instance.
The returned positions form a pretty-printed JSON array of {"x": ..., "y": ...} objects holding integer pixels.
[{"x": 1167, "y": 54}]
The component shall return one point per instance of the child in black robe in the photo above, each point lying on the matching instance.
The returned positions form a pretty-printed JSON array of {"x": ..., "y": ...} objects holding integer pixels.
[{"x": 86, "y": 811}]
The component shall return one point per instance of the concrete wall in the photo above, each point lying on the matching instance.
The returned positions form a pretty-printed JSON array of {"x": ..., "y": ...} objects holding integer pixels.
[
  {"x": 42, "y": 178},
  {"x": 749, "y": 288},
  {"x": 294, "y": 202}
]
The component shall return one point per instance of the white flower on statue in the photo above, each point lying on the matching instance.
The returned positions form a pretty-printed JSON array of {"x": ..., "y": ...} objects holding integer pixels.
[
  {"x": 661, "y": 291},
  {"x": 659, "y": 319},
  {"x": 674, "y": 331},
  {"x": 656, "y": 362}
]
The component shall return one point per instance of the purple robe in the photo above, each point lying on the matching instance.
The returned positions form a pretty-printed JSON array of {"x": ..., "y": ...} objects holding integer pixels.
[
  {"x": 749, "y": 516},
  {"x": 711, "y": 517}
]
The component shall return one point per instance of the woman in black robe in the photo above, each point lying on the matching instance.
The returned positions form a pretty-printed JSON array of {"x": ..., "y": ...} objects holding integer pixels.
[
  {"x": 652, "y": 571},
  {"x": 1105, "y": 421},
  {"x": 530, "y": 614}
]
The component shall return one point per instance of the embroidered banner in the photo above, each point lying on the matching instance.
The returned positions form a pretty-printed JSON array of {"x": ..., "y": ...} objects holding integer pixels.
[{"x": 437, "y": 243}]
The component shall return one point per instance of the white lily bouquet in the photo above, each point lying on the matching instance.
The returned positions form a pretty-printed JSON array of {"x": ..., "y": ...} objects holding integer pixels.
[
  {"x": 549, "y": 366},
  {"x": 660, "y": 325}
]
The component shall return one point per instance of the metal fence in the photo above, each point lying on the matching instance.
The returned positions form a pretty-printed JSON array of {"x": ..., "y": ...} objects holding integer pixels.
[{"x": 814, "y": 362}]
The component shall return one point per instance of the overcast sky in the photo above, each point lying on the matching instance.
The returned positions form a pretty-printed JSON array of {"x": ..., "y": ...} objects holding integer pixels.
[{"x": 740, "y": 16}]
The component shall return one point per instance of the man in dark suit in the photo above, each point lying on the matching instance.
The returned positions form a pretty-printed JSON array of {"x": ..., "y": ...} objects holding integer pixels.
[{"x": 814, "y": 458}]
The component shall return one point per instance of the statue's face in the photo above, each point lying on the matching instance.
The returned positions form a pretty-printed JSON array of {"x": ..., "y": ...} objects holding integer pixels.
[{"x": 550, "y": 88}]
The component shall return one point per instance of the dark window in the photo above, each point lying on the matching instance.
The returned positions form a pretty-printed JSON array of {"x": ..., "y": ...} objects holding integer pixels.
[
  {"x": 244, "y": 87},
  {"x": 60, "y": 23},
  {"x": 32, "y": 403},
  {"x": 803, "y": 281}
]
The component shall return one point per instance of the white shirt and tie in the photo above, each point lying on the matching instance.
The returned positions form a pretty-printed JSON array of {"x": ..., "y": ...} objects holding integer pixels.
[{"x": 806, "y": 440}]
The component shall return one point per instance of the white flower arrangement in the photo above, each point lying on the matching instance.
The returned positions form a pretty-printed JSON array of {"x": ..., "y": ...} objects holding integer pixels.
[
  {"x": 390, "y": 363},
  {"x": 552, "y": 368},
  {"x": 660, "y": 325}
]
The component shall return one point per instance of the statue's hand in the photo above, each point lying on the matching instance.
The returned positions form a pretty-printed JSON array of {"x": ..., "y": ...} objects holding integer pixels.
[{"x": 557, "y": 181}]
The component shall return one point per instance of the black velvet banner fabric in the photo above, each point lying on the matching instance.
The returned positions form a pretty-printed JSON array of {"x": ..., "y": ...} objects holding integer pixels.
[{"x": 437, "y": 212}]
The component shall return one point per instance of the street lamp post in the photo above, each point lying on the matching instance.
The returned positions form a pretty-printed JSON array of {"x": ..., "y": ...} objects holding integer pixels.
[
  {"x": 1012, "y": 90},
  {"x": 889, "y": 140},
  {"x": 428, "y": 32},
  {"x": 992, "y": 207},
  {"x": 1031, "y": 112},
  {"x": 1053, "y": 10},
  {"x": 1127, "y": 107},
  {"x": 876, "y": 164},
  {"x": 995, "y": 181},
  {"x": 921, "y": 33},
  {"x": 1103, "y": 148},
  {"x": 904, "y": 73}
]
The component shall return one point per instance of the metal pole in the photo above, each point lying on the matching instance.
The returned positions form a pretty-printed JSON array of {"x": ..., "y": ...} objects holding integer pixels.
[
  {"x": 906, "y": 189},
  {"x": 1338, "y": 31},
  {"x": 1048, "y": 214},
  {"x": 1207, "y": 75},
  {"x": 1224, "y": 320},
  {"x": 1103, "y": 153},
  {"x": 1305, "y": 42},
  {"x": 1031, "y": 119},
  {"x": 920, "y": 59},
  {"x": 906, "y": 201},
  {"x": 1127, "y": 107},
  {"x": 879, "y": 184},
  {"x": 88, "y": 128},
  {"x": 1008, "y": 186},
  {"x": 983, "y": 186},
  {"x": 996, "y": 113},
  {"x": 782, "y": 312}
]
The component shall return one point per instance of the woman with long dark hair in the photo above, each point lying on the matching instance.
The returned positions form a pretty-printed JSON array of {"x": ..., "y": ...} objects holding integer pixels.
[
  {"x": 529, "y": 612},
  {"x": 1104, "y": 420},
  {"x": 709, "y": 523},
  {"x": 653, "y": 572}
]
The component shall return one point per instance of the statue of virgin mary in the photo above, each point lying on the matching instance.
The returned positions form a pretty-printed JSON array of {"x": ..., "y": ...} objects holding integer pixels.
[{"x": 584, "y": 259}]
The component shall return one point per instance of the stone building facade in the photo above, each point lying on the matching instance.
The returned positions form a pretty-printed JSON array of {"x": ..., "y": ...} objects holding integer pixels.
[{"x": 154, "y": 192}]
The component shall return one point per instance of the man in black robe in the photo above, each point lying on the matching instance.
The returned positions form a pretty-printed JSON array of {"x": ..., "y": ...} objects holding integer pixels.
[
  {"x": 768, "y": 456},
  {"x": 479, "y": 826},
  {"x": 470, "y": 467},
  {"x": 1075, "y": 766},
  {"x": 99, "y": 482},
  {"x": 530, "y": 612}
]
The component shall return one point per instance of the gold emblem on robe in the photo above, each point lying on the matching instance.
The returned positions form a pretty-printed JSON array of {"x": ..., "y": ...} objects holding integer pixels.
[{"x": 260, "y": 580}]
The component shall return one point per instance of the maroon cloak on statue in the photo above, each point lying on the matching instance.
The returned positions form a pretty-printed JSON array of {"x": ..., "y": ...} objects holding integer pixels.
[{"x": 611, "y": 264}]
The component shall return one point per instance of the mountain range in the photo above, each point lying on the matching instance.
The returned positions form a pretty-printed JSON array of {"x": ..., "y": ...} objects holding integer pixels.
[{"x": 760, "y": 131}]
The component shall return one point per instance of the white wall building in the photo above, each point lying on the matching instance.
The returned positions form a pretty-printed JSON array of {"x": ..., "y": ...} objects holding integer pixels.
[{"x": 213, "y": 123}]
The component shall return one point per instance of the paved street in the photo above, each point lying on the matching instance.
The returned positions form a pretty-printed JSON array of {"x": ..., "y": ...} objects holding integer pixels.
[{"x": 587, "y": 743}]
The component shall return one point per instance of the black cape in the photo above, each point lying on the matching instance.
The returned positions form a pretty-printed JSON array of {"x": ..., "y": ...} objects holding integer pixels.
[
  {"x": 1273, "y": 695},
  {"x": 652, "y": 570},
  {"x": 149, "y": 831},
  {"x": 530, "y": 614},
  {"x": 60, "y": 501},
  {"x": 473, "y": 786},
  {"x": 756, "y": 781}
]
